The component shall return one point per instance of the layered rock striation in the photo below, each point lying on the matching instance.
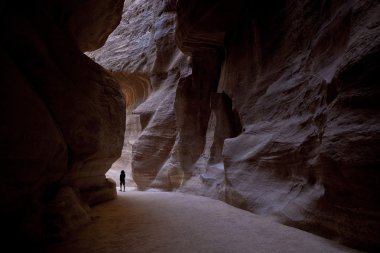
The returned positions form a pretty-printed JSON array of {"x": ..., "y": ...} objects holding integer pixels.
[
  {"x": 302, "y": 78},
  {"x": 143, "y": 46},
  {"x": 62, "y": 116},
  {"x": 270, "y": 107}
]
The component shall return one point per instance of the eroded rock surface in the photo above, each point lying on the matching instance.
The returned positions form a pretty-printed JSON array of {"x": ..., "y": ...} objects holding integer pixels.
[
  {"x": 302, "y": 79},
  {"x": 143, "y": 45},
  {"x": 275, "y": 112},
  {"x": 132, "y": 132},
  {"x": 62, "y": 120}
]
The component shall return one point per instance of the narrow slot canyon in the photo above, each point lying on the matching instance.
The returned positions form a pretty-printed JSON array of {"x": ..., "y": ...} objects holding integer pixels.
[{"x": 242, "y": 126}]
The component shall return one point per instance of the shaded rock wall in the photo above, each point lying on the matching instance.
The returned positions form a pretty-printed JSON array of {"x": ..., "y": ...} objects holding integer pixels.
[
  {"x": 275, "y": 113},
  {"x": 62, "y": 120},
  {"x": 302, "y": 80}
]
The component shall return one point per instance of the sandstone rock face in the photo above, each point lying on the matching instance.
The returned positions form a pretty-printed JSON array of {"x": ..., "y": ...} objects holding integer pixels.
[
  {"x": 88, "y": 22},
  {"x": 62, "y": 117},
  {"x": 275, "y": 112},
  {"x": 302, "y": 80},
  {"x": 143, "y": 48},
  {"x": 132, "y": 132}
]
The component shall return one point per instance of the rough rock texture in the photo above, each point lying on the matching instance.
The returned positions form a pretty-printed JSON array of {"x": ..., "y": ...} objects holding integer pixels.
[
  {"x": 302, "y": 78},
  {"x": 275, "y": 112},
  {"x": 143, "y": 47},
  {"x": 62, "y": 120}
]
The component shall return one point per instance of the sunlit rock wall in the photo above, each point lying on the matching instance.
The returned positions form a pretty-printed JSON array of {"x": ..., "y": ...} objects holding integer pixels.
[
  {"x": 270, "y": 107},
  {"x": 62, "y": 120},
  {"x": 302, "y": 80},
  {"x": 132, "y": 132},
  {"x": 143, "y": 45}
]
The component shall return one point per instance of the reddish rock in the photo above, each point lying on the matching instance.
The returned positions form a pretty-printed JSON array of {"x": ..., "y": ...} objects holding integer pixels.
[{"x": 275, "y": 112}]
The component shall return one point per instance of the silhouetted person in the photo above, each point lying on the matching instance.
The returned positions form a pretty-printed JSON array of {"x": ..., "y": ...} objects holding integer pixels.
[{"x": 122, "y": 179}]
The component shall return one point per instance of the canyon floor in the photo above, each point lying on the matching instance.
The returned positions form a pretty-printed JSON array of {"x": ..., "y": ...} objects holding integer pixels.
[{"x": 175, "y": 222}]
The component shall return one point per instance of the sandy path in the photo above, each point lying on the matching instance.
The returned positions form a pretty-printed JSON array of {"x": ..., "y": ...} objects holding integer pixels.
[{"x": 174, "y": 222}]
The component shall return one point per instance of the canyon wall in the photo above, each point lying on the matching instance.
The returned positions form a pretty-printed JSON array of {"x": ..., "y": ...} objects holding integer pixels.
[
  {"x": 132, "y": 132},
  {"x": 271, "y": 107},
  {"x": 143, "y": 46},
  {"x": 62, "y": 116},
  {"x": 302, "y": 80}
]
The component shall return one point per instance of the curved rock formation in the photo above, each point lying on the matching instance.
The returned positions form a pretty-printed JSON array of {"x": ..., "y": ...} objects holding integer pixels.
[
  {"x": 143, "y": 53},
  {"x": 302, "y": 78},
  {"x": 271, "y": 107},
  {"x": 88, "y": 22},
  {"x": 62, "y": 115}
]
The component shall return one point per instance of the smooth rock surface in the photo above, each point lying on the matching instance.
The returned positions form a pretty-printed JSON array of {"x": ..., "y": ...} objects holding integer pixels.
[
  {"x": 62, "y": 115},
  {"x": 303, "y": 82},
  {"x": 143, "y": 46},
  {"x": 271, "y": 107},
  {"x": 132, "y": 132}
]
